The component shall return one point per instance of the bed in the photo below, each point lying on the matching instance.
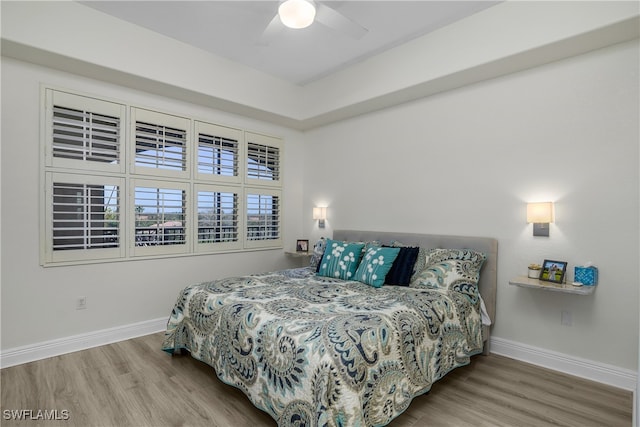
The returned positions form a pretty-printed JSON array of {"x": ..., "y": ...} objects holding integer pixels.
[{"x": 311, "y": 349}]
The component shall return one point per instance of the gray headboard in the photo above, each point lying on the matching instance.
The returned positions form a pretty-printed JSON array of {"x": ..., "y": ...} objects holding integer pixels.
[{"x": 489, "y": 275}]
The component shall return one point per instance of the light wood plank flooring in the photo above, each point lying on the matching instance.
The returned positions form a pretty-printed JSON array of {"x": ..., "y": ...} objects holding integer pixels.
[{"x": 133, "y": 383}]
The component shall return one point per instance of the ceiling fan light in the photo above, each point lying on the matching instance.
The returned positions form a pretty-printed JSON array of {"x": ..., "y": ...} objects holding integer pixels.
[{"x": 297, "y": 13}]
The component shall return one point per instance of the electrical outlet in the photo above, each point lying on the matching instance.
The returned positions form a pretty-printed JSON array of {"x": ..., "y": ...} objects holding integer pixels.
[
  {"x": 565, "y": 318},
  {"x": 81, "y": 303}
]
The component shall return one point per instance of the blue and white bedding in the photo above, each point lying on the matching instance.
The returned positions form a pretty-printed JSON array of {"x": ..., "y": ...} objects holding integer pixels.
[{"x": 319, "y": 351}]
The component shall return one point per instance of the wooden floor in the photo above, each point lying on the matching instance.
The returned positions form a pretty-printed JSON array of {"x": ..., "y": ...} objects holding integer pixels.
[{"x": 133, "y": 383}]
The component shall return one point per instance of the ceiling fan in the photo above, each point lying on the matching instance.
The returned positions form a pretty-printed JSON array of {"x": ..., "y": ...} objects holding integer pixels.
[{"x": 299, "y": 14}]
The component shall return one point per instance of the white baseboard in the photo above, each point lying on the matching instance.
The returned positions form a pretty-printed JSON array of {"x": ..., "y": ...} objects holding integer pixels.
[
  {"x": 30, "y": 353},
  {"x": 636, "y": 420},
  {"x": 600, "y": 372},
  {"x": 595, "y": 371}
]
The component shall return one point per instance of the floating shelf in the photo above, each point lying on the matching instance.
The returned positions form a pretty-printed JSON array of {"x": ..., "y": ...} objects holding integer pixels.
[
  {"x": 526, "y": 282},
  {"x": 299, "y": 254},
  {"x": 300, "y": 258}
]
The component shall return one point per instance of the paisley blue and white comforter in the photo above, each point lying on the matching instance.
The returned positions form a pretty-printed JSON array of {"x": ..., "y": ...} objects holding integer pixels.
[{"x": 316, "y": 351}]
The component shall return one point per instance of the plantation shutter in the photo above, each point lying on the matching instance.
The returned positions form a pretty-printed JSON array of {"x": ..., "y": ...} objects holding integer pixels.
[
  {"x": 263, "y": 218},
  {"x": 160, "y": 143},
  {"x": 263, "y": 162},
  {"x": 84, "y": 217},
  {"x": 218, "y": 217},
  {"x": 218, "y": 153},
  {"x": 263, "y": 159},
  {"x": 84, "y": 133},
  {"x": 160, "y": 216},
  {"x": 119, "y": 181}
]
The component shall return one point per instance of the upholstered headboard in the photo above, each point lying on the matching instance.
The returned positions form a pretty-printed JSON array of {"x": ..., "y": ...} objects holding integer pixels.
[{"x": 488, "y": 283}]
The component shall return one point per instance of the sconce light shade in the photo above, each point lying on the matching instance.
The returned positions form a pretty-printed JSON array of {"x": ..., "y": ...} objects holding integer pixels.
[
  {"x": 320, "y": 214},
  {"x": 540, "y": 214}
]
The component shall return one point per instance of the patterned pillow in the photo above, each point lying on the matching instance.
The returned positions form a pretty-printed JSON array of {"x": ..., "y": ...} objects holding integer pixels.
[
  {"x": 450, "y": 268},
  {"x": 375, "y": 265},
  {"x": 318, "y": 251},
  {"x": 340, "y": 259}
]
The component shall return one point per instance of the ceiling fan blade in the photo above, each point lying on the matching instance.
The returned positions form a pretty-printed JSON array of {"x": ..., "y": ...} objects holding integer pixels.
[
  {"x": 274, "y": 27},
  {"x": 337, "y": 21}
]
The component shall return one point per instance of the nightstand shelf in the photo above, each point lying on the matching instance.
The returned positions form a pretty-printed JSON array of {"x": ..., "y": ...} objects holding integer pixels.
[
  {"x": 299, "y": 254},
  {"x": 526, "y": 282},
  {"x": 301, "y": 259}
]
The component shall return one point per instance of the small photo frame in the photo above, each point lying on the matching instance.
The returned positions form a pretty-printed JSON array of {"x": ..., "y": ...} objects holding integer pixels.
[
  {"x": 553, "y": 271},
  {"x": 302, "y": 246}
]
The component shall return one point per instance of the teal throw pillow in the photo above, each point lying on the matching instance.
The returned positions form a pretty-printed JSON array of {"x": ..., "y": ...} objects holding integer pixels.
[
  {"x": 375, "y": 265},
  {"x": 340, "y": 259}
]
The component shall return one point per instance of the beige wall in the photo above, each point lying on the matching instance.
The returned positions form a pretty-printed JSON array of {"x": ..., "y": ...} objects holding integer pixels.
[{"x": 467, "y": 161}]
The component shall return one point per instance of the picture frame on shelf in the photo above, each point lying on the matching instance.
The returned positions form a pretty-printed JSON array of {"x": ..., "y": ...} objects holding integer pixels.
[
  {"x": 302, "y": 245},
  {"x": 553, "y": 271}
]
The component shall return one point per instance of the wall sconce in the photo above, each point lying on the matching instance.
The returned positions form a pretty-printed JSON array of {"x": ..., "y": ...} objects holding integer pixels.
[
  {"x": 540, "y": 214},
  {"x": 320, "y": 214}
]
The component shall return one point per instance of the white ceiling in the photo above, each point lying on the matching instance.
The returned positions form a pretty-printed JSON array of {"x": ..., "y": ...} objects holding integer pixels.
[
  {"x": 233, "y": 30},
  {"x": 344, "y": 78}
]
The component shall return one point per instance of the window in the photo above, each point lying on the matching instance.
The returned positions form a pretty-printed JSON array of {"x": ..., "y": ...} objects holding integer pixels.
[
  {"x": 123, "y": 182},
  {"x": 262, "y": 162},
  {"x": 83, "y": 133},
  {"x": 218, "y": 218},
  {"x": 217, "y": 156},
  {"x": 263, "y": 202},
  {"x": 160, "y": 223},
  {"x": 84, "y": 217},
  {"x": 263, "y": 218},
  {"x": 219, "y": 151},
  {"x": 160, "y": 143},
  {"x": 160, "y": 147},
  {"x": 263, "y": 159}
]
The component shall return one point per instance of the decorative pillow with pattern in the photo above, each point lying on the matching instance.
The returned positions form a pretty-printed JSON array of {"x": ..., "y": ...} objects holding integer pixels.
[
  {"x": 450, "y": 269},
  {"x": 318, "y": 251},
  {"x": 375, "y": 265},
  {"x": 340, "y": 259}
]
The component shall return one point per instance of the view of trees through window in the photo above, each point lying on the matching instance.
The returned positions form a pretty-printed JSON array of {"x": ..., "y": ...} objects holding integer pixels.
[
  {"x": 160, "y": 216},
  {"x": 217, "y": 217}
]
